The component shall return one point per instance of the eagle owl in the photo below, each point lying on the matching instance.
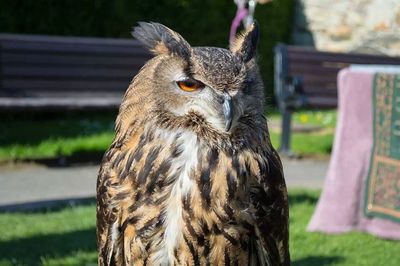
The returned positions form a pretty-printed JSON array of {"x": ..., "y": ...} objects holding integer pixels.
[{"x": 191, "y": 177}]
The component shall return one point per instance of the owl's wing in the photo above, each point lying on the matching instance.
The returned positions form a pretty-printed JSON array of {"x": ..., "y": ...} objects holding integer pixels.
[
  {"x": 106, "y": 216},
  {"x": 272, "y": 210}
]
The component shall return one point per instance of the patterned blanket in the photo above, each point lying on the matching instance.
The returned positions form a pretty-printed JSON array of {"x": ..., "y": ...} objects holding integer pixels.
[{"x": 382, "y": 197}]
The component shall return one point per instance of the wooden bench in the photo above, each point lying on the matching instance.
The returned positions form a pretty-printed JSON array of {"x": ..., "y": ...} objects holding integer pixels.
[
  {"x": 62, "y": 73},
  {"x": 306, "y": 79}
]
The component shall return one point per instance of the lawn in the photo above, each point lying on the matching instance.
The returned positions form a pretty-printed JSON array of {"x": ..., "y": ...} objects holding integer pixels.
[
  {"x": 67, "y": 237},
  {"x": 317, "y": 142},
  {"x": 49, "y": 136}
]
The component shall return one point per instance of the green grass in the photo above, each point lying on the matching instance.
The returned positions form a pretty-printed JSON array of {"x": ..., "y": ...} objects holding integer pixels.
[
  {"x": 54, "y": 135},
  {"x": 318, "y": 118},
  {"x": 315, "y": 143},
  {"x": 307, "y": 144},
  {"x": 58, "y": 135},
  {"x": 61, "y": 237},
  {"x": 314, "y": 249},
  {"x": 67, "y": 237}
]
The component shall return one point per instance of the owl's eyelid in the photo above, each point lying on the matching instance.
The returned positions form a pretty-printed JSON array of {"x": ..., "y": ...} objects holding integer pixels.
[{"x": 189, "y": 79}]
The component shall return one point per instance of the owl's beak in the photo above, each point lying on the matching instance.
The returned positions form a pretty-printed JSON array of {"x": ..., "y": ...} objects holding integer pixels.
[{"x": 228, "y": 111}]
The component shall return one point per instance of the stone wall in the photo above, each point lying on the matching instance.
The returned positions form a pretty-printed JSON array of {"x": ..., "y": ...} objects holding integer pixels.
[{"x": 368, "y": 26}]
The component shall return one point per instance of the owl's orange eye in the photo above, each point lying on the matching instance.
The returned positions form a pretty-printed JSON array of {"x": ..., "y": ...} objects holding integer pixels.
[{"x": 190, "y": 85}]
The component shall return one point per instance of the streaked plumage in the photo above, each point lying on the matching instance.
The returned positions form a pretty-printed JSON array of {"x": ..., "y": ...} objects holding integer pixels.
[{"x": 191, "y": 178}]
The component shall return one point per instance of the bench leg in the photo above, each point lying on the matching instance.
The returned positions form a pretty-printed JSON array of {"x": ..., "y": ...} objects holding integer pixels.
[{"x": 286, "y": 130}]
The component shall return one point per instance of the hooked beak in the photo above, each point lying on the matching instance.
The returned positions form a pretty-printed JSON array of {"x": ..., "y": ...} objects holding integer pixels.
[{"x": 228, "y": 111}]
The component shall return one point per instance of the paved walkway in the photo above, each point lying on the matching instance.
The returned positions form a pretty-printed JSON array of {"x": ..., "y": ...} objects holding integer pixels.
[{"x": 34, "y": 186}]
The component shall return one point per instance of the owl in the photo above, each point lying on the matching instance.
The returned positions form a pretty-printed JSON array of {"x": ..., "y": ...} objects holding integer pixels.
[{"x": 191, "y": 177}]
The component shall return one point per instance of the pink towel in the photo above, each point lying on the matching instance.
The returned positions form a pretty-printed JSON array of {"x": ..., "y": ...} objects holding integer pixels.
[{"x": 340, "y": 208}]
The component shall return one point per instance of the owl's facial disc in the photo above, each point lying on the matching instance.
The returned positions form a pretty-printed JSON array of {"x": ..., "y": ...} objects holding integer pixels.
[{"x": 215, "y": 106}]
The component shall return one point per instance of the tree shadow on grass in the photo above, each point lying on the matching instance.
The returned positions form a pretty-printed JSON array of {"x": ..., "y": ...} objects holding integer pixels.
[
  {"x": 52, "y": 125},
  {"x": 30, "y": 250},
  {"x": 55, "y": 138},
  {"x": 47, "y": 206},
  {"x": 304, "y": 197},
  {"x": 78, "y": 157},
  {"x": 317, "y": 261}
]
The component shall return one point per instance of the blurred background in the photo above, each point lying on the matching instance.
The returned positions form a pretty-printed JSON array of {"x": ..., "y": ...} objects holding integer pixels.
[
  {"x": 64, "y": 65},
  {"x": 200, "y": 22}
]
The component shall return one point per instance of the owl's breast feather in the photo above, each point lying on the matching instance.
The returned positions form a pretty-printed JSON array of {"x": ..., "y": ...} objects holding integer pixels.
[{"x": 180, "y": 194}]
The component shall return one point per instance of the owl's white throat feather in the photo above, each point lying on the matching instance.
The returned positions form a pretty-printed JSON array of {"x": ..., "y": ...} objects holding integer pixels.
[{"x": 182, "y": 167}]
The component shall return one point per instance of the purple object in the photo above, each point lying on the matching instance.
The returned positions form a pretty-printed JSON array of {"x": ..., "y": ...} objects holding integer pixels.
[
  {"x": 340, "y": 207},
  {"x": 241, "y": 13}
]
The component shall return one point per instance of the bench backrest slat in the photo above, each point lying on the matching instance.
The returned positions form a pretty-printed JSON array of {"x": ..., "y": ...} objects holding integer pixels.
[
  {"x": 46, "y": 66},
  {"x": 60, "y": 48},
  {"x": 65, "y": 72},
  {"x": 35, "y": 59},
  {"x": 318, "y": 71}
]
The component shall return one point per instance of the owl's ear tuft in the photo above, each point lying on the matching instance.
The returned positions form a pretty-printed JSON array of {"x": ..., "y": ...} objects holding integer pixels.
[
  {"x": 245, "y": 44},
  {"x": 159, "y": 39}
]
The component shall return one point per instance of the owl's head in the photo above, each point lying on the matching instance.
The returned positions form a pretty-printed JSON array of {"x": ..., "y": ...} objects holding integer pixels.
[{"x": 214, "y": 85}]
